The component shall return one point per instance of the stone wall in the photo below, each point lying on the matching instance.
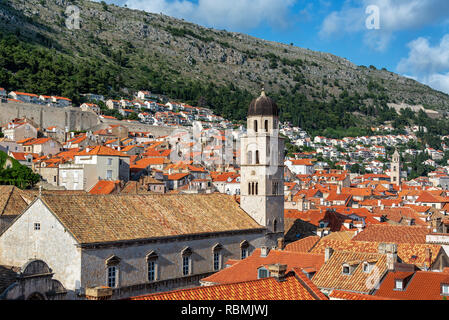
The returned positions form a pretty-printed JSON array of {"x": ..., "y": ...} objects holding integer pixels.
[
  {"x": 157, "y": 131},
  {"x": 51, "y": 243},
  {"x": 133, "y": 271},
  {"x": 45, "y": 116}
]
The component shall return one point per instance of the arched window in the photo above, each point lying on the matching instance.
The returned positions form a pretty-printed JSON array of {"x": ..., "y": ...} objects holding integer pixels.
[
  {"x": 275, "y": 225},
  {"x": 255, "y": 125},
  {"x": 249, "y": 188},
  {"x": 244, "y": 246},
  {"x": 266, "y": 125},
  {"x": 257, "y": 188},
  {"x": 152, "y": 265},
  {"x": 186, "y": 261},
  {"x": 250, "y": 157},
  {"x": 217, "y": 256},
  {"x": 257, "y": 157}
]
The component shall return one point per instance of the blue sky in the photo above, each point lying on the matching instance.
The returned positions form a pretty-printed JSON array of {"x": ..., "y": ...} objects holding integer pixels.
[{"x": 410, "y": 37}]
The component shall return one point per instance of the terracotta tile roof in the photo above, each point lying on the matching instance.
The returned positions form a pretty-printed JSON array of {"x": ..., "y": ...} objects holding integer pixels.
[
  {"x": 333, "y": 196},
  {"x": 25, "y": 94},
  {"x": 146, "y": 162},
  {"x": 412, "y": 253},
  {"x": 78, "y": 139},
  {"x": 37, "y": 141},
  {"x": 13, "y": 201},
  {"x": 24, "y": 140},
  {"x": 302, "y": 162},
  {"x": 394, "y": 234},
  {"x": 20, "y": 156},
  {"x": 330, "y": 276},
  {"x": 423, "y": 285},
  {"x": 246, "y": 270},
  {"x": 341, "y": 235},
  {"x": 102, "y": 151},
  {"x": 314, "y": 217},
  {"x": 420, "y": 209},
  {"x": 428, "y": 197},
  {"x": 303, "y": 245},
  {"x": 293, "y": 288},
  {"x": 347, "y": 295},
  {"x": 398, "y": 215},
  {"x": 104, "y": 187},
  {"x": 111, "y": 218},
  {"x": 177, "y": 176}
]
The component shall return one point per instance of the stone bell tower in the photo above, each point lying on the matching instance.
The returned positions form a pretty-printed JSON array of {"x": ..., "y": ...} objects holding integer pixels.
[
  {"x": 395, "y": 169},
  {"x": 262, "y": 168}
]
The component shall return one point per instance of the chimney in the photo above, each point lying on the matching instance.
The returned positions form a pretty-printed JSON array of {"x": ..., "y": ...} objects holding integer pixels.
[
  {"x": 278, "y": 271},
  {"x": 99, "y": 293},
  {"x": 328, "y": 253},
  {"x": 428, "y": 261},
  {"x": 391, "y": 250},
  {"x": 281, "y": 243},
  {"x": 264, "y": 251}
]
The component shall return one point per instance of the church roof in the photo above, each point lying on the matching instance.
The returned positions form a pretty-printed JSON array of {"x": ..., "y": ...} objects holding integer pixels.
[
  {"x": 263, "y": 106},
  {"x": 112, "y": 218}
]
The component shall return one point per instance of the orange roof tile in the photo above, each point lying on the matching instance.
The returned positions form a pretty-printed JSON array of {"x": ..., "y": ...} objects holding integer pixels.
[
  {"x": 102, "y": 151},
  {"x": 423, "y": 285},
  {"x": 303, "y": 245},
  {"x": 292, "y": 288},
  {"x": 104, "y": 187},
  {"x": 395, "y": 234},
  {"x": 246, "y": 269},
  {"x": 347, "y": 295}
]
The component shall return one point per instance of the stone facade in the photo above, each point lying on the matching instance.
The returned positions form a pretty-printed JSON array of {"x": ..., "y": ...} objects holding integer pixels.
[
  {"x": 262, "y": 174},
  {"x": 395, "y": 171},
  {"x": 80, "y": 266},
  {"x": 45, "y": 116}
]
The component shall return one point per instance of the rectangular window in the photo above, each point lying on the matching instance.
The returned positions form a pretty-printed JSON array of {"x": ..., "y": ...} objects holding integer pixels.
[
  {"x": 112, "y": 277},
  {"x": 398, "y": 285},
  {"x": 244, "y": 253},
  {"x": 263, "y": 273},
  {"x": 109, "y": 162},
  {"x": 151, "y": 270},
  {"x": 186, "y": 266},
  {"x": 346, "y": 270},
  {"x": 217, "y": 263},
  {"x": 37, "y": 226},
  {"x": 109, "y": 174},
  {"x": 445, "y": 289}
]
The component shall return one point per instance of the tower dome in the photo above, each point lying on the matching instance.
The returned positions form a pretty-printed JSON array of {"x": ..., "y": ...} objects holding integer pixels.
[{"x": 263, "y": 106}]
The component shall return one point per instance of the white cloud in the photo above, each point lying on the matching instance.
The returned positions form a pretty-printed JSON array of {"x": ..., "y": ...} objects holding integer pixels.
[
  {"x": 231, "y": 14},
  {"x": 395, "y": 15},
  {"x": 423, "y": 58},
  {"x": 439, "y": 82},
  {"x": 429, "y": 64}
]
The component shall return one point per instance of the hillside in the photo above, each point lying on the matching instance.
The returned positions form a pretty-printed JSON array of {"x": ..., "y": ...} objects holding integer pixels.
[{"x": 118, "y": 50}]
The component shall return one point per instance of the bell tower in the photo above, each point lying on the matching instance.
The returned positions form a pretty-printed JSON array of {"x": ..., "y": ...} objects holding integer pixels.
[
  {"x": 262, "y": 168},
  {"x": 395, "y": 169}
]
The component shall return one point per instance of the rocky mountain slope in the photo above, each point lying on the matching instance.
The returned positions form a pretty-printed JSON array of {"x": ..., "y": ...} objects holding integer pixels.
[{"x": 154, "y": 51}]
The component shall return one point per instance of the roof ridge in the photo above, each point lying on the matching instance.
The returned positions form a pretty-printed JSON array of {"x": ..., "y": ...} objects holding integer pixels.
[{"x": 7, "y": 201}]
